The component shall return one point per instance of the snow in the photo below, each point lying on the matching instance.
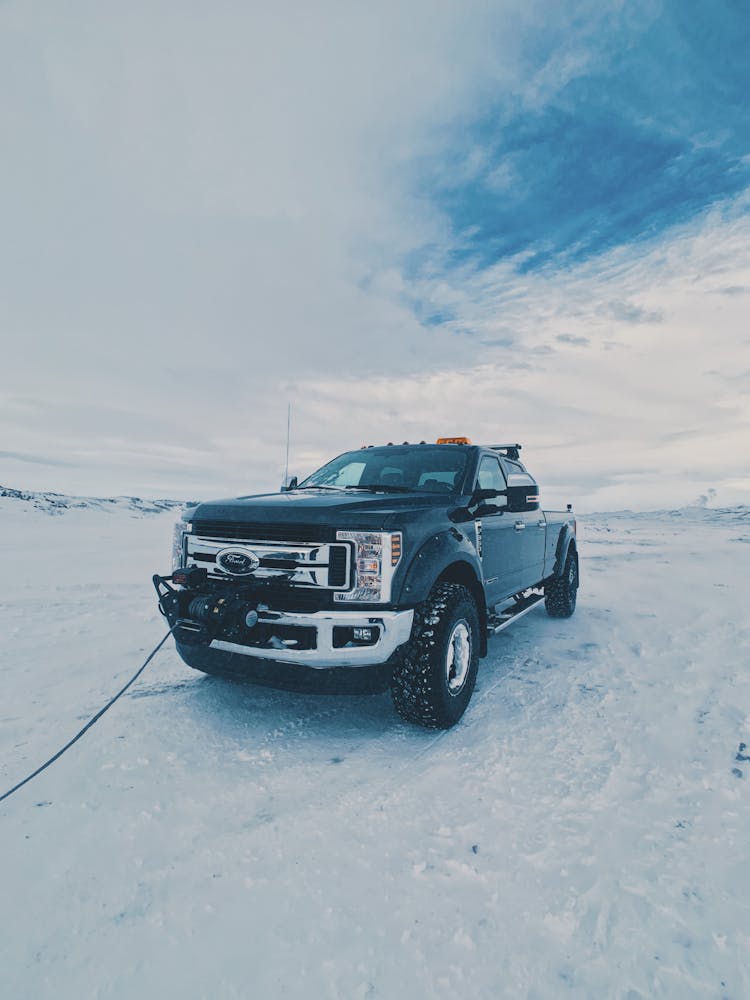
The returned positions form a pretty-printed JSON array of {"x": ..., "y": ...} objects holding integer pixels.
[{"x": 581, "y": 833}]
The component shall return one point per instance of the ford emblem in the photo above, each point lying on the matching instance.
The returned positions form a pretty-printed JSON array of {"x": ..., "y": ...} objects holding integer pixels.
[{"x": 238, "y": 562}]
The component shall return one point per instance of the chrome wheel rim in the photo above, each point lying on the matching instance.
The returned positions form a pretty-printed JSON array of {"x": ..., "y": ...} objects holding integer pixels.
[{"x": 458, "y": 657}]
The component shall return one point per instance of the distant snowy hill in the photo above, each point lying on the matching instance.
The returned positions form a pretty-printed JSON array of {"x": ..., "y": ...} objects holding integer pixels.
[
  {"x": 58, "y": 503},
  {"x": 697, "y": 512}
]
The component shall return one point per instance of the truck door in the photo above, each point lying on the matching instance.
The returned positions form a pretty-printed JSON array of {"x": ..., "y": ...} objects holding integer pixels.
[
  {"x": 501, "y": 541},
  {"x": 534, "y": 529}
]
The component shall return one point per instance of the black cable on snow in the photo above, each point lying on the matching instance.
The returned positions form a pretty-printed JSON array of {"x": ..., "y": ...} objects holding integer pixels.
[{"x": 91, "y": 721}]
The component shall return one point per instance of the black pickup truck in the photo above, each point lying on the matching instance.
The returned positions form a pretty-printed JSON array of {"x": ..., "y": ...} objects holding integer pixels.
[{"x": 388, "y": 567}]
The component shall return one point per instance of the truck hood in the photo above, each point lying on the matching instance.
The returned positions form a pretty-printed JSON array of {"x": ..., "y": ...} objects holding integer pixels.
[{"x": 349, "y": 508}]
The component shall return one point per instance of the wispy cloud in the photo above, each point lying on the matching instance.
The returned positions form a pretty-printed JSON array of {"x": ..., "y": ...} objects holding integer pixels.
[
  {"x": 572, "y": 338},
  {"x": 22, "y": 456},
  {"x": 523, "y": 218},
  {"x": 606, "y": 428},
  {"x": 627, "y": 312},
  {"x": 640, "y": 124}
]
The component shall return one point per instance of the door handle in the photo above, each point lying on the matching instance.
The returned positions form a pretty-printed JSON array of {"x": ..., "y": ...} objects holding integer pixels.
[
  {"x": 541, "y": 524},
  {"x": 519, "y": 526}
]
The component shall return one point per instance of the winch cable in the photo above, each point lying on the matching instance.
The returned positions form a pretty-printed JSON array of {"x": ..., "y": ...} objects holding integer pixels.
[{"x": 91, "y": 721}]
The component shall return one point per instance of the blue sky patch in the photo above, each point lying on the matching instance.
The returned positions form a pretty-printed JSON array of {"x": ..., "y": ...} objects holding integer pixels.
[{"x": 650, "y": 134}]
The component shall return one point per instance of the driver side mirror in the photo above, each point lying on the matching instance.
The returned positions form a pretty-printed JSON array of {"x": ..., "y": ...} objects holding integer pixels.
[
  {"x": 523, "y": 495},
  {"x": 290, "y": 484},
  {"x": 480, "y": 498},
  {"x": 481, "y": 495}
]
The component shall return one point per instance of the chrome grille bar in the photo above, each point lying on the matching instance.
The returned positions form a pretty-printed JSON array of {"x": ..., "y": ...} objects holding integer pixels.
[{"x": 325, "y": 566}]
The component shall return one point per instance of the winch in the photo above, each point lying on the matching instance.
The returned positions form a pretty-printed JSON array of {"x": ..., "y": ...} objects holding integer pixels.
[
  {"x": 203, "y": 612},
  {"x": 199, "y": 614}
]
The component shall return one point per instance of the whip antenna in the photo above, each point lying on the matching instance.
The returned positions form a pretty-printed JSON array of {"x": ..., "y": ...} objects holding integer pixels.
[{"x": 288, "y": 431}]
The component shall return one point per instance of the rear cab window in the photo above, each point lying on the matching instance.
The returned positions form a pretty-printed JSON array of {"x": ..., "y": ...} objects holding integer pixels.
[{"x": 519, "y": 474}]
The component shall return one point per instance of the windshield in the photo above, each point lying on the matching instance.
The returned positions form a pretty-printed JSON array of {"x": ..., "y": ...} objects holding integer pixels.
[{"x": 395, "y": 469}]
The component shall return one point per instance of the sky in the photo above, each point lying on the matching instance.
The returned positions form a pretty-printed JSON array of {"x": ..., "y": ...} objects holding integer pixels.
[{"x": 518, "y": 221}]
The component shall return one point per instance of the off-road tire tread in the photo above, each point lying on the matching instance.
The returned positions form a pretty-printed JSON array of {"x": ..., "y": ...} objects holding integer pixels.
[
  {"x": 559, "y": 597},
  {"x": 417, "y": 679}
]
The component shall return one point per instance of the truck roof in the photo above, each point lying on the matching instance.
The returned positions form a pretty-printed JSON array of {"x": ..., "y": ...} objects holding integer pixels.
[{"x": 512, "y": 451}]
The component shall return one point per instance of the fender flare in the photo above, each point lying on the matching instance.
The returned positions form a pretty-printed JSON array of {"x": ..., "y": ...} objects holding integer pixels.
[
  {"x": 451, "y": 555},
  {"x": 435, "y": 555},
  {"x": 565, "y": 542}
]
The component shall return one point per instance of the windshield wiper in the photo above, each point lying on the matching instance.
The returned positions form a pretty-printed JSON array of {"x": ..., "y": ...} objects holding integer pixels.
[
  {"x": 336, "y": 488},
  {"x": 381, "y": 488},
  {"x": 370, "y": 487}
]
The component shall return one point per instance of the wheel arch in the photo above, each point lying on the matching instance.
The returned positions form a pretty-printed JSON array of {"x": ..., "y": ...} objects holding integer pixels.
[
  {"x": 446, "y": 557},
  {"x": 462, "y": 572},
  {"x": 566, "y": 543}
]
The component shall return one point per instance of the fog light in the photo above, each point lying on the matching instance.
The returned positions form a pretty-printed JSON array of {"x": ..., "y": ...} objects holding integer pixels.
[
  {"x": 251, "y": 619},
  {"x": 347, "y": 636}
]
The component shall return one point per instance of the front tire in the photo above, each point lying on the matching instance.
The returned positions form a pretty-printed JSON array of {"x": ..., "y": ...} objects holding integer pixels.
[
  {"x": 561, "y": 592},
  {"x": 434, "y": 679}
]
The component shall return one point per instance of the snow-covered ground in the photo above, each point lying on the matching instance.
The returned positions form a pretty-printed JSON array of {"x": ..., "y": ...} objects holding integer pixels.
[{"x": 583, "y": 832}]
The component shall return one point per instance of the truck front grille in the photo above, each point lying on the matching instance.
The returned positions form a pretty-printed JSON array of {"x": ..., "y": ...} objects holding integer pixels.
[{"x": 308, "y": 564}]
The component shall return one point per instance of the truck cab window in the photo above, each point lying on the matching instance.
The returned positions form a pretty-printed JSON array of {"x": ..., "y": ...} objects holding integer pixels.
[{"x": 490, "y": 475}]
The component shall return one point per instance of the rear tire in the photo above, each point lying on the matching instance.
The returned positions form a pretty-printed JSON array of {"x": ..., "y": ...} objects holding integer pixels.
[
  {"x": 561, "y": 592},
  {"x": 433, "y": 681}
]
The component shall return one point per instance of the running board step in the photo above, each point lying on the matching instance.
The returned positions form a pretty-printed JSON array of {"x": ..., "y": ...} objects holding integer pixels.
[{"x": 499, "y": 622}]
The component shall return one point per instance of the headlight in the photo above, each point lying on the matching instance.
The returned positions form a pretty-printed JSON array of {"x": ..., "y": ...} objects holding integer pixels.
[
  {"x": 181, "y": 529},
  {"x": 376, "y": 556}
]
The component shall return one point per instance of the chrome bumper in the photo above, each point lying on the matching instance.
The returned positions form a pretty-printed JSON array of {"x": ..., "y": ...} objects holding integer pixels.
[{"x": 394, "y": 628}]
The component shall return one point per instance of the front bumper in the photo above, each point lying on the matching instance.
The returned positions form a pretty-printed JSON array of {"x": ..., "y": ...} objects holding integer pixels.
[
  {"x": 242, "y": 620},
  {"x": 394, "y": 629}
]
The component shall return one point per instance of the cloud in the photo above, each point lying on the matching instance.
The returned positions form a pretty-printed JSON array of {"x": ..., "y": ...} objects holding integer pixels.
[
  {"x": 395, "y": 216},
  {"x": 627, "y": 312},
  {"x": 20, "y": 456},
  {"x": 572, "y": 338},
  {"x": 737, "y": 380},
  {"x": 637, "y": 127},
  {"x": 601, "y": 428}
]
